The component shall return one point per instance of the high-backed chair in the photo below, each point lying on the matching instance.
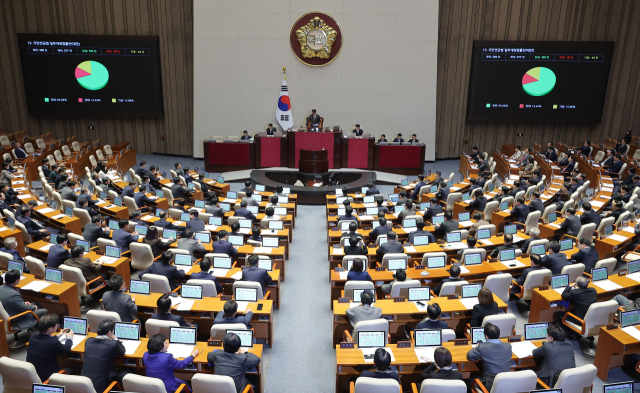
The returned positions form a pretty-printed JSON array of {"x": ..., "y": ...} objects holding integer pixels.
[
  {"x": 34, "y": 265},
  {"x": 219, "y": 330},
  {"x": 509, "y": 382},
  {"x": 155, "y": 326},
  {"x": 85, "y": 289},
  {"x": 206, "y": 383},
  {"x": 452, "y": 199},
  {"x": 534, "y": 279},
  {"x": 40, "y": 143},
  {"x": 401, "y": 288},
  {"x": 107, "y": 149},
  {"x": 465, "y": 252},
  {"x": 586, "y": 231},
  {"x": 428, "y": 255},
  {"x": 251, "y": 284},
  {"x": 349, "y": 286},
  {"x": 440, "y": 385},
  {"x": 157, "y": 283},
  {"x": 489, "y": 208},
  {"x": 450, "y": 288},
  {"x": 374, "y": 325},
  {"x": 548, "y": 210},
  {"x": 394, "y": 256},
  {"x": 103, "y": 243},
  {"x": 598, "y": 315},
  {"x": 506, "y": 323},
  {"x": 17, "y": 375},
  {"x": 609, "y": 263},
  {"x": 544, "y": 242},
  {"x": 574, "y": 271},
  {"x": 499, "y": 284},
  {"x": 83, "y": 215},
  {"x": 375, "y": 385},
  {"x": 141, "y": 255},
  {"x": 73, "y": 238},
  {"x": 97, "y": 316},
  {"x": 208, "y": 287},
  {"x": 131, "y": 205},
  {"x": 26, "y": 238},
  {"x": 577, "y": 380},
  {"x": 137, "y": 383}
]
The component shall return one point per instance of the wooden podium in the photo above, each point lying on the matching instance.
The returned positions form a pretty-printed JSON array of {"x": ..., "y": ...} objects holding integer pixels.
[{"x": 313, "y": 161}]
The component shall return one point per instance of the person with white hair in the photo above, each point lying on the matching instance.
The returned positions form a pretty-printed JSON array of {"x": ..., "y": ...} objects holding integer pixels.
[
  {"x": 534, "y": 234},
  {"x": 10, "y": 245}
]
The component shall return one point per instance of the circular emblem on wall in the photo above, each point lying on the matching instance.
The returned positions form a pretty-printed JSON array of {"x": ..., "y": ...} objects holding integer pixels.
[{"x": 316, "y": 39}]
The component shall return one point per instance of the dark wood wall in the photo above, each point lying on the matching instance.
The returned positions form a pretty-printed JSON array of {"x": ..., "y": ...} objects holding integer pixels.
[
  {"x": 462, "y": 21},
  {"x": 170, "y": 20}
]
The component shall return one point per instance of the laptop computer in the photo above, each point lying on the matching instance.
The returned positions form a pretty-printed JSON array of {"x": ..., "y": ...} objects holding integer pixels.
[
  {"x": 552, "y": 217},
  {"x": 409, "y": 223},
  {"x": 185, "y": 217},
  {"x": 620, "y": 387},
  {"x": 276, "y": 225},
  {"x": 270, "y": 241},
  {"x": 474, "y": 258},
  {"x": 403, "y": 182},
  {"x": 395, "y": 264},
  {"x": 283, "y": 199},
  {"x": 225, "y": 207},
  {"x": 53, "y": 275},
  {"x": 466, "y": 216},
  {"x": 113, "y": 225},
  {"x": 220, "y": 179},
  {"x": 217, "y": 221},
  {"x": 78, "y": 326},
  {"x": 419, "y": 294},
  {"x": 535, "y": 331},
  {"x": 280, "y": 211},
  {"x": 477, "y": 335},
  {"x": 141, "y": 229},
  {"x": 222, "y": 263},
  {"x": 170, "y": 234},
  {"x": 358, "y": 292},
  {"x": 245, "y": 223},
  {"x": 253, "y": 209},
  {"x": 599, "y": 274},
  {"x": 559, "y": 281},
  {"x": 260, "y": 188},
  {"x": 191, "y": 291},
  {"x": 242, "y": 294},
  {"x": 504, "y": 206},
  {"x": 42, "y": 388},
  {"x": 371, "y": 339},
  {"x": 182, "y": 336},
  {"x": 629, "y": 318},
  {"x": 425, "y": 205},
  {"x": 204, "y": 237},
  {"x": 68, "y": 211},
  {"x": 427, "y": 337},
  {"x": 483, "y": 234},
  {"x": 84, "y": 244},
  {"x": 538, "y": 249},
  {"x": 466, "y": 197},
  {"x": 454, "y": 237},
  {"x": 436, "y": 262},
  {"x": 420, "y": 240},
  {"x": 437, "y": 220},
  {"x": 246, "y": 337},
  {"x": 633, "y": 266},
  {"x": 510, "y": 229},
  {"x": 199, "y": 204},
  {"x": 608, "y": 230},
  {"x": 182, "y": 259},
  {"x": 129, "y": 334},
  {"x": 507, "y": 255},
  {"x": 266, "y": 264},
  {"x": 232, "y": 195},
  {"x": 471, "y": 290},
  {"x": 112, "y": 252},
  {"x": 236, "y": 240},
  {"x": 140, "y": 287},
  {"x": 566, "y": 244}
]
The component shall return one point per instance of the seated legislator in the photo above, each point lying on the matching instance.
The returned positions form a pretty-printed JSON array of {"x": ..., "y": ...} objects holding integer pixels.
[
  {"x": 348, "y": 215},
  {"x": 551, "y": 154},
  {"x": 122, "y": 237},
  {"x": 357, "y": 131},
  {"x": 382, "y": 210},
  {"x": 178, "y": 190},
  {"x": 130, "y": 189},
  {"x": 164, "y": 311},
  {"x": 580, "y": 296},
  {"x": 160, "y": 364},
  {"x": 357, "y": 272},
  {"x": 420, "y": 232},
  {"x": 44, "y": 348},
  {"x": 142, "y": 200},
  {"x": 479, "y": 202},
  {"x": 479, "y": 222},
  {"x": 421, "y": 183},
  {"x": 58, "y": 253},
  {"x": 364, "y": 311},
  {"x": 533, "y": 236},
  {"x": 10, "y": 245},
  {"x": 83, "y": 204},
  {"x": 215, "y": 209},
  {"x": 255, "y": 234},
  {"x": 518, "y": 154},
  {"x": 245, "y": 136},
  {"x": 454, "y": 275},
  {"x": 508, "y": 245},
  {"x": 372, "y": 190},
  {"x": 536, "y": 264},
  {"x": 520, "y": 212},
  {"x": 271, "y": 129},
  {"x": 589, "y": 216},
  {"x": 471, "y": 243},
  {"x": 382, "y": 360},
  {"x": 441, "y": 367},
  {"x": 382, "y": 229},
  {"x": 233, "y": 361},
  {"x": 247, "y": 186},
  {"x": 555, "y": 260},
  {"x": 249, "y": 199},
  {"x": 163, "y": 223},
  {"x": 414, "y": 139},
  {"x": 409, "y": 210},
  {"x": 99, "y": 357},
  {"x": 19, "y": 151},
  {"x": 400, "y": 275},
  {"x": 117, "y": 301},
  {"x": 586, "y": 255},
  {"x": 256, "y": 274},
  {"x": 205, "y": 274},
  {"x": 486, "y": 306},
  {"x": 433, "y": 210},
  {"x": 34, "y": 228},
  {"x": 608, "y": 160},
  {"x": 495, "y": 355},
  {"x": 572, "y": 223},
  {"x": 354, "y": 247},
  {"x": 88, "y": 268},
  {"x": 383, "y": 138},
  {"x": 222, "y": 245},
  {"x": 398, "y": 138},
  {"x": 229, "y": 314},
  {"x": 615, "y": 167},
  {"x": 443, "y": 192},
  {"x": 194, "y": 222},
  {"x": 449, "y": 225},
  {"x": 556, "y": 354},
  {"x": 313, "y": 121},
  {"x": 432, "y": 320},
  {"x": 243, "y": 212},
  {"x": 163, "y": 267},
  {"x": 153, "y": 239},
  {"x": 391, "y": 246},
  {"x": 188, "y": 242}
]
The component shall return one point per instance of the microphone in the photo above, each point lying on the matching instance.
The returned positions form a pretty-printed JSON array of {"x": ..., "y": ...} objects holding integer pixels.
[
  {"x": 319, "y": 146},
  {"x": 309, "y": 145}
]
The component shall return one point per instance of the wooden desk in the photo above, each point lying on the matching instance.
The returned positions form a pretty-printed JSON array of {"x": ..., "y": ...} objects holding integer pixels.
[
  {"x": 68, "y": 224},
  {"x": 64, "y": 299},
  {"x": 612, "y": 346},
  {"x": 276, "y": 255}
]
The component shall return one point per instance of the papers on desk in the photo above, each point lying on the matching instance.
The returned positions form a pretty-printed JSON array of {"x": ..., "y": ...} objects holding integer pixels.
[
  {"x": 425, "y": 355},
  {"x": 17, "y": 182},
  {"x": 169, "y": 185},
  {"x": 180, "y": 350},
  {"x": 317, "y": 184},
  {"x": 45, "y": 210},
  {"x": 21, "y": 189},
  {"x": 454, "y": 189},
  {"x": 18, "y": 176},
  {"x": 554, "y": 189},
  {"x": 211, "y": 227},
  {"x": 553, "y": 224},
  {"x": 130, "y": 346},
  {"x": 242, "y": 306},
  {"x": 368, "y": 353},
  {"x": 106, "y": 260},
  {"x": 410, "y": 249},
  {"x": 25, "y": 196},
  {"x": 229, "y": 200},
  {"x": 469, "y": 302},
  {"x": 629, "y": 229},
  {"x": 36, "y": 286},
  {"x": 409, "y": 230},
  {"x": 419, "y": 307},
  {"x": 396, "y": 214},
  {"x": 597, "y": 203},
  {"x": 237, "y": 275},
  {"x": 178, "y": 223},
  {"x": 4, "y": 229},
  {"x": 147, "y": 218},
  {"x": 513, "y": 166},
  {"x": 634, "y": 276},
  {"x": 262, "y": 250},
  {"x": 486, "y": 242},
  {"x": 175, "y": 300},
  {"x": 522, "y": 349},
  {"x": 517, "y": 238},
  {"x": 559, "y": 177},
  {"x": 617, "y": 238},
  {"x": 244, "y": 231},
  {"x": 514, "y": 177},
  {"x": 77, "y": 339},
  {"x": 343, "y": 275},
  {"x": 185, "y": 305},
  {"x": 605, "y": 189},
  {"x": 367, "y": 218},
  {"x": 463, "y": 269},
  {"x": 632, "y": 331},
  {"x": 466, "y": 224},
  {"x": 513, "y": 262},
  {"x": 338, "y": 251},
  {"x": 607, "y": 285},
  {"x": 269, "y": 232},
  {"x": 370, "y": 205},
  {"x": 57, "y": 216},
  {"x": 219, "y": 272},
  {"x": 457, "y": 245},
  {"x": 46, "y": 247}
]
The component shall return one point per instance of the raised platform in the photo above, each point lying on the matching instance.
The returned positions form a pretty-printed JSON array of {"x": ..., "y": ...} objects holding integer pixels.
[
  {"x": 381, "y": 177},
  {"x": 309, "y": 195}
]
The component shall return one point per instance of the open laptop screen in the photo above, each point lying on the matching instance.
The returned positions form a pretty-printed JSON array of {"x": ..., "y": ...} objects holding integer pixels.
[
  {"x": 246, "y": 337},
  {"x": 428, "y": 337},
  {"x": 477, "y": 335},
  {"x": 127, "y": 331},
  {"x": 182, "y": 335},
  {"x": 535, "y": 331},
  {"x": 419, "y": 294},
  {"x": 559, "y": 281},
  {"x": 471, "y": 290},
  {"x": 435, "y": 262},
  {"x": 370, "y": 339},
  {"x": 140, "y": 287},
  {"x": 630, "y": 318}
]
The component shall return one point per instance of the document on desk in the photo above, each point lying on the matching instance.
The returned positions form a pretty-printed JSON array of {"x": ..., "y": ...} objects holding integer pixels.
[
  {"x": 244, "y": 231},
  {"x": 469, "y": 302},
  {"x": 559, "y": 290},
  {"x": 338, "y": 251},
  {"x": 269, "y": 232},
  {"x": 607, "y": 285},
  {"x": 263, "y": 250},
  {"x": 185, "y": 305},
  {"x": 367, "y": 218},
  {"x": 410, "y": 249},
  {"x": 237, "y": 276},
  {"x": 175, "y": 300},
  {"x": 211, "y": 227},
  {"x": 368, "y": 354},
  {"x": 618, "y": 238},
  {"x": 632, "y": 331},
  {"x": 425, "y": 355},
  {"x": 553, "y": 224},
  {"x": 36, "y": 286},
  {"x": 131, "y": 346},
  {"x": 607, "y": 189},
  {"x": 514, "y": 177},
  {"x": 463, "y": 270},
  {"x": 46, "y": 247},
  {"x": 106, "y": 260},
  {"x": 168, "y": 185},
  {"x": 513, "y": 262},
  {"x": 629, "y": 229},
  {"x": 21, "y": 189},
  {"x": 57, "y": 216},
  {"x": 454, "y": 189},
  {"x": 409, "y": 230},
  {"x": 242, "y": 306},
  {"x": 178, "y": 223},
  {"x": 634, "y": 276},
  {"x": 4, "y": 229},
  {"x": 466, "y": 224},
  {"x": 147, "y": 218},
  {"x": 77, "y": 339},
  {"x": 457, "y": 245},
  {"x": 343, "y": 275},
  {"x": 517, "y": 238},
  {"x": 522, "y": 349},
  {"x": 486, "y": 242},
  {"x": 180, "y": 350},
  {"x": 419, "y": 307},
  {"x": 17, "y": 182},
  {"x": 229, "y": 200},
  {"x": 597, "y": 203},
  {"x": 370, "y": 205},
  {"x": 219, "y": 272},
  {"x": 45, "y": 210}
]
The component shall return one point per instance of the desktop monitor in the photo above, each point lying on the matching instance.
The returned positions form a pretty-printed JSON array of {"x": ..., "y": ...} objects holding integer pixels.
[
  {"x": 253, "y": 209},
  {"x": 15, "y": 265},
  {"x": 54, "y": 204},
  {"x": 198, "y": 203},
  {"x": 68, "y": 211},
  {"x": 127, "y": 331},
  {"x": 203, "y": 237},
  {"x": 242, "y": 294},
  {"x": 117, "y": 201},
  {"x": 140, "y": 287},
  {"x": 77, "y": 325},
  {"x": 260, "y": 188},
  {"x": 566, "y": 244},
  {"x": 341, "y": 211},
  {"x": 191, "y": 291},
  {"x": 436, "y": 262},
  {"x": 403, "y": 182},
  {"x": 53, "y": 239},
  {"x": 483, "y": 234},
  {"x": 491, "y": 187},
  {"x": 170, "y": 234},
  {"x": 270, "y": 241},
  {"x": 504, "y": 206},
  {"x": 141, "y": 229},
  {"x": 113, "y": 225},
  {"x": 437, "y": 220},
  {"x": 633, "y": 266},
  {"x": 599, "y": 274},
  {"x": 471, "y": 290},
  {"x": 182, "y": 259},
  {"x": 559, "y": 281},
  {"x": 246, "y": 337},
  {"x": 344, "y": 225},
  {"x": 185, "y": 217},
  {"x": 283, "y": 199},
  {"x": 507, "y": 255},
  {"x": 182, "y": 335},
  {"x": 433, "y": 189},
  {"x": 217, "y": 221},
  {"x": 338, "y": 192},
  {"x": 395, "y": 264},
  {"x": 225, "y": 207},
  {"x": 466, "y": 216},
  {"x": 510, "y": 229},
  {"x": 552, "y": 217},
  {"x": 103, "y": 196},
  {"x": 419, "y": 294},
  {"x": 358, "y": 292},
  {"x": 474, "y": 258},
  {"x": 280, "y": 211},
  {"x": 371, "y": 339},
  {"x": 420, "y": 240},
  {"x": 372, "y": 211},
  {"x": 535, "y": 331},
  {"x": 286, "y": 190},
  {"x": 220, "y": 179},
  {"x": 620, "y": 387},
  {"x": 222, "y": 263},
  {"x": 265, "y": 264},
  {"x": 409, "y": 223},
  {"x": 629, "y": 318},
  {"x": 276, "y": 225},
  {"x": 245, "y": 223},
  {"x": 236, "y": 240},
  {"x": 160, "y": 193},
  {"x": 112, "y": 252},
  {"x": 382, "y": 240},
  {"x": 454, "y": 237},
  {"x": 53, "y": 275},
  {"x": 364, "y": 190},
  {"x": 538, "y": 249},
  {"x": 608, "y": 230},
  {"x": 427, "y": 337},
  {"x": 450, "y": 183}
]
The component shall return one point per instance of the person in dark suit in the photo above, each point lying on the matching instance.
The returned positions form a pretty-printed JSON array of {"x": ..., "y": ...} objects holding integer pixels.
[
  {"x": 243, "y": 212},
  {"x": 354, "y": 248},
  {"x": 129, "y": 190},
  {"x": 617, "y": 210},
  {"x": 508, "y": 245},
  {"x": 419, "y": 185},
  {"x": 495, "y": 355},
  {"x": 229, "y": 314},
  {"x": 571, "y": 223},
  {"x": 479, "y": 203},
  {"x": 87, "y": 267},
  {"x": 432, "y": 321},
  {"x": 520, "y": 212},
  {"x": 382, "y": 210},
  {"x": 533, "y": 236},
  {"x": 383, "y": 229},
  {"x": 391, "y": 246},
  {"x": 3, "y": 204},
  {"x": 205, "y": 274},
  {"x": 372, "y": 190},
  {"x": 566, "y": 170},
  {"x": 348, "y": 215},
  {"x": 195, "y": 223},
  {"x": 84, "y": 205},
  {"x": 271, "y": 129},
  {"x": 454, "y": 275},
  {"x": 163, "y": 223},
  {"x": 555, "y": 260},
  {"x": 160, "y": 364},
  {"x": 421, "y": 232},
  {"x": 34, "y": 228},
  {"x": 256, "y": 274},
  {"x": 449, "y": 225},
  {"x": 233, "y": 361},
  {"x": 556, "y": 355},
  {"x": 535, "y": 265},
  {"x": 382, "y": 360},
  {"x": 142, "y": 200},
  {"x": 473, "y": 182},
  {"x": 353, "y": 231},
  {"x": 58, "y": 252},
  {"x": 581, "y": 297},
  {"x": 551, "y": 154},
  {"x": 249, "y": 199},
  {"x": 589, "y": 216},
  {"x": 163, "y": 267},
  {"x": 414, "y": 139},
  {"x": 45, "y": 167},
  {"x": 357, "y": 271},
  {"x": 486, "y": 306},
  {"x": 383, "y": 138},
  {"x": 474, "y": 154},
  {"x": 223, "y": 246},
  {"x": 483, "y": 166},
  {"x": 164, "y": 312},
  {"x": 10, "y": 245},
  {"x": 443, "y": 192},
  {"x": 84, "y": 194},
  {"x": 14, "y": 304},
  {"x": 245, "y": 136},
  {"x": 536, "y": 203},
  {"x": 608, "y": 160},
  {"x": 54, "y": 174},
  {"x": 574, "y": 185},
  {"x": 439, "y": 179},
  {"x": 403, "y": 199},
  {"x": 146, "y": 182},
  {"x": 585, "y": 149},
  {"x": 433, "y": 210},
  {"x": 117, "y": 301},
  {"x": 365, "y": 311},
  {"x": 586, "y": 255},
  {"x": 178, "y": 191},
  {"x": 398, "y": 138},
  {"x": 441, "y": 367},
  {"x": 99, "y": 355},
  {"x": 313, "y": 120},
  {"x": 122, "y": 237},
  {"x": 142, "y": 169},
  {"x": 92, "y": 232},
  {"x": 357, "y": 131},
  {"x": 44, "y": 348}
]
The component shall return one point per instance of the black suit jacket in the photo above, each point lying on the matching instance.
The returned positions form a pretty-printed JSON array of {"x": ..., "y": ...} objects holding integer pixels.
[
  {"x": 381, "y": 230},
  {"x": 536, "y": 204},
  {"x": 556, "y": 356},
  {"x": 430, "y": 372},
  {"x": 358, "y": 132},
  {"x": 433, "y": 210},
  {"x": 555, "y": 262},
  {"x": 478, "y": 204},
  {"x": 43, "y": 353},
  {"x": 581, "y": 299},
  {"x": 99, "y": 354},
  {"x": 258, "y": 275},
  {"x": 233, "y": 365},
  {"x": 348, "y": 250},
  {"x": 588, "y": 256},
  {"x": 572, "y": 225},
  {"x": 162, "y": 269},
  {"x": 589, "y": 217},
  {"x": 270, "y": 131},
  {"x": 520, "y": 213},
  {"x": 446, "y": 227},
  {"x": 480, "y": 311},
  {"x": 92, "y": 233},
  {"x": 389, "y": 247}
]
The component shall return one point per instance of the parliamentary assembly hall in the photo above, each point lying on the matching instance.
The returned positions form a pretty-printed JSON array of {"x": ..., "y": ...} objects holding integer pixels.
[{"x": 339, "y": 196}]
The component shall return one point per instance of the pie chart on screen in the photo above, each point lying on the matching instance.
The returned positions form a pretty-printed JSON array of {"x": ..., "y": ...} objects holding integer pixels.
[
  {"x": 92, "y": 75},
  {"x": 538, "y": 81}
]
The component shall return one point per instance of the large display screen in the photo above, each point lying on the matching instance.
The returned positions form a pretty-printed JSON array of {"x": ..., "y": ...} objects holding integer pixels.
[
  {"x": 91, "y": 75},
  {"x": 539, "y": 81}
]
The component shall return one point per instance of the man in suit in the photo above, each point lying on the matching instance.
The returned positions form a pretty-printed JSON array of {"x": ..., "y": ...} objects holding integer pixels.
[
  {"x": 142, "y": 200},
  {"x": 473, "y": 185},
  {"x": 54, "y": 174},
  {"x": 19, "y": 151},
  {"x": 479, "y": 222},
  {"x": 364, "y": 311},
  {"x": 585, "y": 149},
  {"x": 535, "y": 265},
  {"x": 391, "y": 246},
  {"x": 233, "y": 361},
  {"x": 572, "y": 223},
  {"x": 67, "y": 192},
  {"x": 223, "y": 246},
  {"x": 433, "y": 210},
  {"x": 44, "y": 348},
  {"x": 163, "y": 223},
  {"x": 508, "y": 245},
  {"x": 617, "y": 210},
  {"x": 382, "y": 210},
  {"x": 520, "y": 212},
  {"x": 479, "y": 203},
  {"x": 574, "y": 185},
  {"x": 421, "y": 232},
  {"x": 383, "y": 229},
  {"x": 130, "y": 189},
  {"x": 243, "y": 212},
  {"x": 623, "y": 148},
  {"x": 569, "y": 166},
  {"x": 536, "y": 203},
  {"x": 178, "y": 190},
  {"x": 88, "y": 268},
  {"x": 551, "y": 154},
  {"x": 580, "y": 296},
  {"x": 250, "y": 201},
  {"x": 146, "y": 182},
  {"x": 188, "y": 242},
  {"x": 355, "y": 247},
  {"x": 383, "y": 138},
  {"x": 3, "y": 203},
  {"x": 555, "y": 260},
  {"x": 14, "y": 304},
  {"x": 194, "y": 222},
  {"x": 398, "y": 138},
  {"x": 419, "y": 185},
  {"x": 556, "y": 354},
  {"x": 483, "y": 166},
  {"x": 449, "y": 225},
  {"x": 256, "y": 274},
  {"x": 34, "y": 228},
  {"x": 382, "y": 360},
  {"x": 432, "y": 321},
  {"x": 443, "y": 192},
  {"x": 372, "y": 190},
  {"x": 99, "y": 356},
  {"x": 142, "y": 170},
  {"x": 615, "y": 167},
  {"x": 533, "y": 236},
  {"x": 84, "y": 194},
  {"x": 215, "y": 208},
  {"x": 439, "y": 179},
  {"x": 229, "y": 314},
  {"x": 271, "y": 129},
  {"x": 313, "y": 120},
  {"x": 409, "y": 210},
  {"x": 84, "y": 205},
  {"x": 10, "y": 245},
  {"x": 402, "y": 198},
  {"x": 348, "y": 215},
  {"x": 586, "y": 255},
  {"x": 58, "y": 253},
  {"x": 245, "y": 136},
  {"x": 205, "y": 274},
  {"x": 414, "y": 139},
  {"x": 117, "y": 301},
  {"x": 164, "y": 311},
  {"x": 45, "y": 167},
  {"x": 608, "y": 160},
  {"x": 474, "y": 154},
  {"x": 358, "y": 131},
  {"x": 589, "y": 216},
  {"x": 122, "y": 237},
  {"x": 495, "y": 355},
  {"x": 454, "y": 275}
]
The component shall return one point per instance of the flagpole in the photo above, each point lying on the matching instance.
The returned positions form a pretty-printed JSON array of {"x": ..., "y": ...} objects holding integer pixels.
[{"x": 284, "y": 71}]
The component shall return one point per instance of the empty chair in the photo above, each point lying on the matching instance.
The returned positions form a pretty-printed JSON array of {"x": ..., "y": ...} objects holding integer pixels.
[
  {"x": 85, "y": 289},
  {"x": 65, "y": 150},
  {"x": 40, "y": 143},
  {"x": 28, "y": 147},
  {"x": 103, "y": 243},
  {"x": 394, "y": 257},
  {"x": 219, "y": 330},
  {"x": 499, "y": 284},
  {"x": 576, "y": 380},
  {"x": 141, "y": 255},
  {"x": 34, "y": 265},
  {"x": 505, "y": 322},
  {"x": 17, "y": 375},
  {"x": 482, "y": 251},
  {"x": 131, "y": 205},
  {"x": 427, "y": 255},
  {"x": 97, "y": 316},
  {"x": 377, "y": 385},
  {"x": 157, "y": 283},
  {"x": 107, "y": 149},
  {"x": 58, "y": 156},
  {"x": 598, "y": 315},
  {"x": 586, "y": 231},
  {"x": 73, "y": 238},
  {"x": 510, "y": 382},
  {"x": 548, "y": 210},
  {"x": 155, "y": 326},
  {"x": 448, "y": 335},
  {"x": 206, "y": 383},
  {"x": 233, "y": 138},
  {"x": 137, "y": 383},
  {"x": 452, "y": 199},
  {"x": 574, "y": 271},
  {"x": 374, "y": 325},
  {"x": 75, "y": 145},
  {"x": 534, "y": 279},
  {"x": 489, "y": 208},
  {"x": 609, "y": 263},
  {"x": 93, "y": 161},
  {"x": 83, "y": 215}
]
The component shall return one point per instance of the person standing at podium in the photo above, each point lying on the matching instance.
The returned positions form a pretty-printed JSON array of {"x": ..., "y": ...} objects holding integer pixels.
[
  {"x": 314, "y": 120},
  {"x": 358, "y": 131},
  {"x": 271, "y": 129}
]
